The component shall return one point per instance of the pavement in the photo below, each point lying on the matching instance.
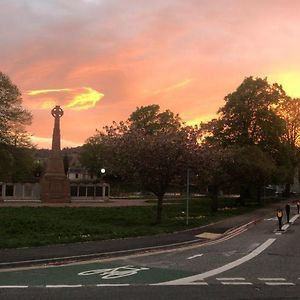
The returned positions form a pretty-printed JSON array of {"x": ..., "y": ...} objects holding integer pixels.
[{"x": 62, "y": 253}]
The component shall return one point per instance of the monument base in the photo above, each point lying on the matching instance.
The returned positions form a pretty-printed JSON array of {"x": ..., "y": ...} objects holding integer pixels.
[{"x": 55, "y": 189}]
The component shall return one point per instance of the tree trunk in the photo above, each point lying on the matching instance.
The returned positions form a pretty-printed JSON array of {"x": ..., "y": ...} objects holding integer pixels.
[
  {"x": 244, "y": 194},
  {"x": 259, "y": 198},
  {"x": 214, "y": 195},
  {"x": 287, "y": 190},
  {"x": 159, "y": 208}
]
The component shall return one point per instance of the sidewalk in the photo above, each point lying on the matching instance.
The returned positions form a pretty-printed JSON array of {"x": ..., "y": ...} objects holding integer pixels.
[
  {"x": 110, "y": 203},
  {"x": 111, "y": 248}
]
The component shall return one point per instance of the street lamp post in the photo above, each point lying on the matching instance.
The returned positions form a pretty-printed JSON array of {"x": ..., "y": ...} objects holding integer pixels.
[{"x": 187, "y": 195}]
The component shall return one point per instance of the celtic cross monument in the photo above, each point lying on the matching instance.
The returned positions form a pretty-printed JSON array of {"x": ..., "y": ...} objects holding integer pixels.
[{"x": 55, "y": 186}]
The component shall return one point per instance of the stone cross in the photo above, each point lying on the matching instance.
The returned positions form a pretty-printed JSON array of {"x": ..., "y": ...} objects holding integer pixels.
[
  {"x": 55, "y": 186},
  {"x": 57, "y": 113}
]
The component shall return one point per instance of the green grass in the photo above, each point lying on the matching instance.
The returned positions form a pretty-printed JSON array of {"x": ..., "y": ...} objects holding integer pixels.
[{"x": 36, "y": 226}]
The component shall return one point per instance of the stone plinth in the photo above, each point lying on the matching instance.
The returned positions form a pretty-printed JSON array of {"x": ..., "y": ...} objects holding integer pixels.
[
  {"x": 55, "y": 189},
  {"x": 55, "y": 186}
]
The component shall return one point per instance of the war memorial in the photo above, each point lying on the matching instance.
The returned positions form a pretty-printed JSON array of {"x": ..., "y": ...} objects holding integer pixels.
[{"x": 54, "y": 185}]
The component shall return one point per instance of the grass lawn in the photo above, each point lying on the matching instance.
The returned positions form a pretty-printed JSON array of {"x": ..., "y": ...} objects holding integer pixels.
[{"x": 35, "y": 226}]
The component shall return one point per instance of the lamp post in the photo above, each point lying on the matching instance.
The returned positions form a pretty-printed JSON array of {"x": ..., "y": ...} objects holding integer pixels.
[{"x": 187, "y": 195}]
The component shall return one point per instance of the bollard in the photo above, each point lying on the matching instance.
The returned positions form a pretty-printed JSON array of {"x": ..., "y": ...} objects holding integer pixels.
[
  {"x": 287, "y": 211},
  {"x": 298, "y": 207},
  {"x": 279, "y": 216}
]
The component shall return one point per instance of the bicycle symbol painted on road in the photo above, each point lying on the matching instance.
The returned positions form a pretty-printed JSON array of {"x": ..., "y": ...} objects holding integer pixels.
[{"x": 114, "y": 272}]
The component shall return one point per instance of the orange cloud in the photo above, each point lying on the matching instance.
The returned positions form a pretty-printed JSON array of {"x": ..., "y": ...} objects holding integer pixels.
[
  {"x": 75, "y": 99},
  {"x": 85, "y": 100},
  {"x": 38, "y": 92},
  {"x": 173, "y": 87}
]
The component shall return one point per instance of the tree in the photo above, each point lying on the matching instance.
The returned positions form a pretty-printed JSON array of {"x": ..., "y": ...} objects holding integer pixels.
[
  {"x": 289, "y": 110},
  {"x": 92, "y": 154},
  {"x": 209, "y": 163},
  {"x": 150, "y": 120},
  {"x": 149, "y": 149},
  {"x": 13, "y": 117},
  {"x": 66, "y": 162},
  {"x": 247, "y": 132},
  {"x": 6, "y": 163},
  {"x": 154, "y": 161},
  {"x": 251, "y": 169},
  {"x": 248, "y": 116},
  {"x": 15, "y": 154}
]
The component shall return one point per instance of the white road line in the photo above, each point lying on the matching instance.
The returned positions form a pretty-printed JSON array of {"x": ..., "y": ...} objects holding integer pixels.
[
  {"x": 236, "y": 283},
  {"x": 222, "y": 269},
  {"x": 113, "y": 284},
  {"x": 64, "y": 286},
  {"x": 231, "y": 278},
  {"x": 13, "y": 286},
  {"x": 187, "y": 283},
  {"x": 271, "y": 279},
  {"x": 233, "y": 281},
  {"x": 194, "y": 256},
  {"x": 279, "y": 283},
  {"x": 225, "y": 238},
  {"x": 294, "y": 218},
  {"x": 285, "y": 227}
]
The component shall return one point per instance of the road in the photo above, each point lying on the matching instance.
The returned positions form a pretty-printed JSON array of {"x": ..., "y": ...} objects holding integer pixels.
[{"x": 254, "y": 263}]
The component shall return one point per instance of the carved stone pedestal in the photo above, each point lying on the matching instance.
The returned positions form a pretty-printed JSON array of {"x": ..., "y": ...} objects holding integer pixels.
[{"x": 55, "y": 189}]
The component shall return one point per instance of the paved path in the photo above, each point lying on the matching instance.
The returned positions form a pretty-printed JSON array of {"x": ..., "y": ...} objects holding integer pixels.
[{"x": 110, "y": 203}]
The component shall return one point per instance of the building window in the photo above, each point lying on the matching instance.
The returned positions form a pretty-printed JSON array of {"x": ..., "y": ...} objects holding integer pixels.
[
  {"x": 76, "y": 176},
  {"x": 99, "y": 191},
  {"x": 9, "y": 191},
  {"x": 90, "y": 191},
  {"x": 73, "y": 191},
  {"x": 82, "y": 191}
]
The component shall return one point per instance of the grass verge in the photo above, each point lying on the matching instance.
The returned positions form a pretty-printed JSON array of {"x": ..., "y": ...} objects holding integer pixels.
[{"x": 36, "y": 226}]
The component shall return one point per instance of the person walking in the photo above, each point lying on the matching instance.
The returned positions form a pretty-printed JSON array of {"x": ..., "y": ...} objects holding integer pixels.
[
  {"x": 279, "y": 216},
  {"x": 287, "y": 211}
]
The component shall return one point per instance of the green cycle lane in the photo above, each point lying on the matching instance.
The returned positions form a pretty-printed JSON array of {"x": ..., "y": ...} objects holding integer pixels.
[{"x": 89, "y": 274}]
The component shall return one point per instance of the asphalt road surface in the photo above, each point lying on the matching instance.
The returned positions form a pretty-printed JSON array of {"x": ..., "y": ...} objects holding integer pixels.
[{"x": 254, "y": 263}]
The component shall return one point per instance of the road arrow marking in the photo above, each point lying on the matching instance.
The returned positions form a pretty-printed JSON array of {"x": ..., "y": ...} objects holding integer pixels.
[{"x": 194, "y": 256}]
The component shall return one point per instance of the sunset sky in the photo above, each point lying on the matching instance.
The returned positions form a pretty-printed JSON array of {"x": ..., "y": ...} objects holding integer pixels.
[{"x": 100, "y": 59}]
